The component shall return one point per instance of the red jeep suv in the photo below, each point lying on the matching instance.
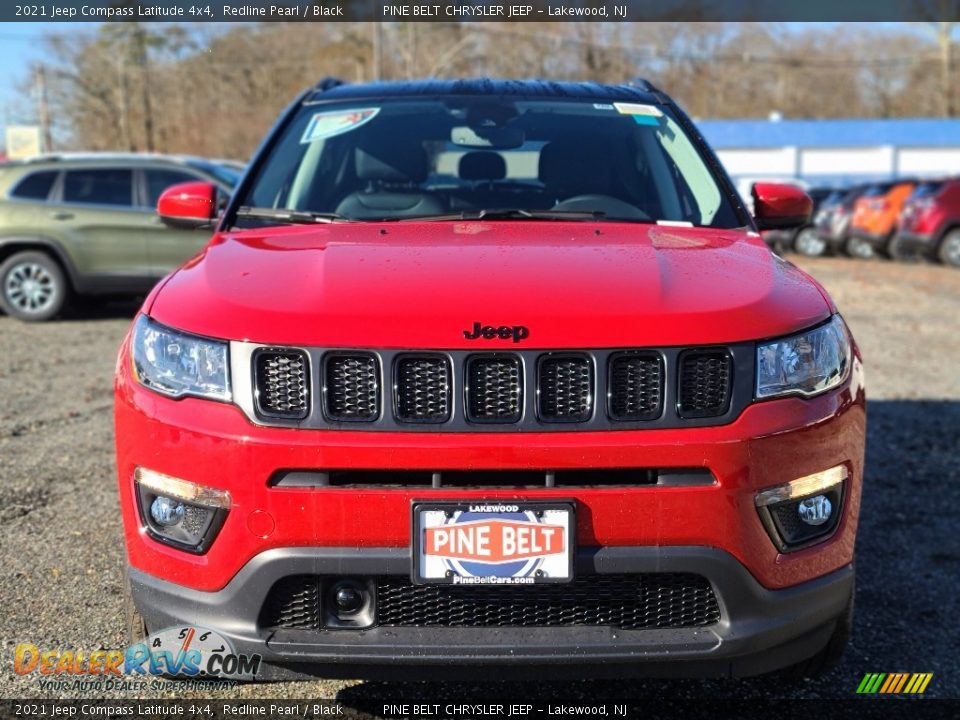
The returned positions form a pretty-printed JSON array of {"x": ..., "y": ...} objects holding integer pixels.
[
  {"x": 486, "y": 377},
  {"x": 930, "y": 222}
]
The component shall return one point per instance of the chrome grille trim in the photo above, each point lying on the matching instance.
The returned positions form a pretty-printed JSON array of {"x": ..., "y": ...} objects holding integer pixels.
[{"x": 603, "y": 414}]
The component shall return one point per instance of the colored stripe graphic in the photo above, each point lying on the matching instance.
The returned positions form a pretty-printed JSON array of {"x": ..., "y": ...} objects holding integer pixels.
[{"x": 894, "y": 683}]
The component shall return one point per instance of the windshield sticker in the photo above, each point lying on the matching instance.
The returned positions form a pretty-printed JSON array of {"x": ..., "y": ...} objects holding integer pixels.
[
  {"x": 328, "y": 124},
  {"x": 646, "y": 120},
  {"x": 638, "y": 109},
  {"x": 602, "y": 106}
]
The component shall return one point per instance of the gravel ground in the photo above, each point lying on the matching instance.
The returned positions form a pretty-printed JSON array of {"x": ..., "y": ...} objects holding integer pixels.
[{"x": 62, "y": 554}]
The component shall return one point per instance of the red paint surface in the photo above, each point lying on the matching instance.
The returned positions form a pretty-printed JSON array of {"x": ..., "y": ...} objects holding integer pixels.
[{"x": 421, "y": 284}]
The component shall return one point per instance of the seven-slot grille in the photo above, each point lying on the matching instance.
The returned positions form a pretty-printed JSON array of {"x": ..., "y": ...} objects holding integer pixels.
[
  {"x": 494, "y": 388},
  {"x": 460, "y": 390},
  {"x": 422, "y": 388},
  {"x": 704, "y": 383},
  {"x": 351, "y": 387},
  {"x": 282, "y": 383},
  {"x": 565, "y": 390}
]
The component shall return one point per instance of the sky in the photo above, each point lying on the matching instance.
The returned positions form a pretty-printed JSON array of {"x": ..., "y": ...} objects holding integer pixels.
[{"x": 20, "y": 46}]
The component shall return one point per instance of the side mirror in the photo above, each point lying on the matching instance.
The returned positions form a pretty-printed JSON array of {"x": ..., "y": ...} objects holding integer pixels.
[
  {"x": 189, "y": 206},
  {"x": 779, "y": 205}
]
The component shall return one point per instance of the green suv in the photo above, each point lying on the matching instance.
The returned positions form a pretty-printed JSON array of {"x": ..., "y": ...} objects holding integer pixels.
[{"x": 85, "y": 224}]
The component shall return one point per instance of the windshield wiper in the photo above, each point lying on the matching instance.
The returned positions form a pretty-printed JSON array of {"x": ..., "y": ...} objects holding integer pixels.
[
  {"x": 290, "y": 217},
  {"x": 510, "y": 214}
]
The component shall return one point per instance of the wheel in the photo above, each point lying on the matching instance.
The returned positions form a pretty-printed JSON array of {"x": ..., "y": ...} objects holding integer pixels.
[
  {"x": 831, "y": 655},
  {"x": 858, "y": 248},
  {"x": 949, "y": 251},
  {"x": 32, "y": 286},
  {"x": 895, "y": 250},
  {"x": 809, "y": 243},
  {"x": 136, "y": 627}
]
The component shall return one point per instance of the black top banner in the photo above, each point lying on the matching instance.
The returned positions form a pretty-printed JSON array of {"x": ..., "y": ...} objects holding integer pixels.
[{"x": 481, "y": 11}]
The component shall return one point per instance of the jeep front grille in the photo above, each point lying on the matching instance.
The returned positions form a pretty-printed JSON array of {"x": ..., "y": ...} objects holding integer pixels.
[
  {"x": 565, "y": 388},
  {"x": 351, "y": 387},
  {"x": 494, "y": 388},
  {"x": 422, "y": 388},
  {"x": 282, "y": 383},
  {"x": 624, "y": 601},
  {"x": 462, "y": 391},
  {"x": 636, "y": 386},
  {"x": 705, "y": 385}
]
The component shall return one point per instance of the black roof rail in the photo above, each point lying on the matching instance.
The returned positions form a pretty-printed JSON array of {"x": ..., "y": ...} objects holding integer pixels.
[
  {"x": 643, "y": 84},
  {"x": 328, "y": 83}
]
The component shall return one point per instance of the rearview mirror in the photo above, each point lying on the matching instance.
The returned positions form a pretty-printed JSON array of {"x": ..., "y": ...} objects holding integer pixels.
[
  {"x": 502, "y": 138},
  {"x": 189, "y": 206},
  {"x": 779, "y": 205}
]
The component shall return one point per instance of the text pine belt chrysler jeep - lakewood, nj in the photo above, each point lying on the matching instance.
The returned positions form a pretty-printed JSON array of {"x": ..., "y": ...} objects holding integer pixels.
[{"x": 488, "y": 376}]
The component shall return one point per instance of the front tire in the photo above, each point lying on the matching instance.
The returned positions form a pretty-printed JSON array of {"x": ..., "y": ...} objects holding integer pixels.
[
  {"x": 809, "y": 243},
  {"x": 949, "y": 251},
  {"x": 32, "y": 286},
  {"x": 858, "y": 248}
]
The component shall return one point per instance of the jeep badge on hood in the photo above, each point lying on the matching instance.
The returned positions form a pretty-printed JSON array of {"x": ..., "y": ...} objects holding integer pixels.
[{"x": 504, "y": 332}]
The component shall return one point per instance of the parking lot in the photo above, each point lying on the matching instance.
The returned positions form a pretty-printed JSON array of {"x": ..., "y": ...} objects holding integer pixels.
[{"x": 60, "y": 524}]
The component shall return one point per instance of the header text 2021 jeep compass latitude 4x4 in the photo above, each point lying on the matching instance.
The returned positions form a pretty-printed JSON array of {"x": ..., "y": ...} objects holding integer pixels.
[{"x": 487, "y": 376}]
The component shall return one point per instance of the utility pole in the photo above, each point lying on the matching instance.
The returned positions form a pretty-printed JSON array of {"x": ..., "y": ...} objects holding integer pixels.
[
  {"x": 944, "y": 40},
  {"x": 143, "y": 61},
  {"x": 125, "y": 133},
  {"x": 377, "y": 50},
  {"x": 43, "y": 108}
]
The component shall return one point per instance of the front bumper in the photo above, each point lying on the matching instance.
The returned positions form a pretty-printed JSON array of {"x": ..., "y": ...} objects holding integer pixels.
[
  {"x": 760, "y": 630},
  {"x": 876, "y": 240},
  {"x": 916, "y": 242},
  {"x": 770, "y": 443}
]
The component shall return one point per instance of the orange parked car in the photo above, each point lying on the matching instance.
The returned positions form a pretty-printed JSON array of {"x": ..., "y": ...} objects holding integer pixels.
[{"x": 875, "y": 216}]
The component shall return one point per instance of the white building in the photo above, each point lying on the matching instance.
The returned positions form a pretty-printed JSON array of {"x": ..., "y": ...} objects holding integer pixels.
[{"x": 835, "y": 152}]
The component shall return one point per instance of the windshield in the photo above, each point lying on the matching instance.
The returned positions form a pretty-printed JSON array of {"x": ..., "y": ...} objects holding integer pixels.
[
  {"x": 925, "y": 190},
  {"x": 487, "y": 156}
]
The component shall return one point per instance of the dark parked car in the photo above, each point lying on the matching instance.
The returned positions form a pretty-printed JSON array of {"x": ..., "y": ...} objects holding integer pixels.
[
  {"x": 831, "y": 223},
  {"x": 785, "y": 240},
  {"x": 84, "y": 224}
]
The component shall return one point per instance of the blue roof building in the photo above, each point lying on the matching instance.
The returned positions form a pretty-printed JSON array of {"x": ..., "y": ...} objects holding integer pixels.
[{"x": 835, "y": 152}]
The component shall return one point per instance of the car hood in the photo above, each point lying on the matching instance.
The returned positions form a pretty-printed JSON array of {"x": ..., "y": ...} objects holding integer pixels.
[{"x": 423, "y": 284}]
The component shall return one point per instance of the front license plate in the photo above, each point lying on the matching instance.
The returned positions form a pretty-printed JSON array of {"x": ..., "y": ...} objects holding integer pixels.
[{"x": 492, "y": 543}]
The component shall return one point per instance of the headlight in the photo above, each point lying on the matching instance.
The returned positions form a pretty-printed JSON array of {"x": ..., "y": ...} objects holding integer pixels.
[
  {"x": 805, "y": 364},
  {"x": 177, "y": 364}
]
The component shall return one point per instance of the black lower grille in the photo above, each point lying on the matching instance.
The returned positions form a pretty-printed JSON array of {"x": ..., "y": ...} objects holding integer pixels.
[
  {"x": 351, "y": 387},
  {"x": 627, "y": 601},
  {"x": 494, "y": 388},
  {"x": 282, "y": 383},
  {"x": 565, "y": 388},
  {"x": 422, "y": 388},
  {"x": 705, "y": 383},
  {"x": 635, "y": 382},
  {"x": 293, "y": 602}
]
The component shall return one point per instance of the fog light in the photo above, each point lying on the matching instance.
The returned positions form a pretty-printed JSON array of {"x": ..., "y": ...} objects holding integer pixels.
[
  {"x": 178, "y": 512},
  {"x": 349, "y": 599},
  {"x": 165, "y": 511},
  {"x": 815, "y": 510},
  {"x": 349, "y": 603},
  {"x": 800, "y": 513}
]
